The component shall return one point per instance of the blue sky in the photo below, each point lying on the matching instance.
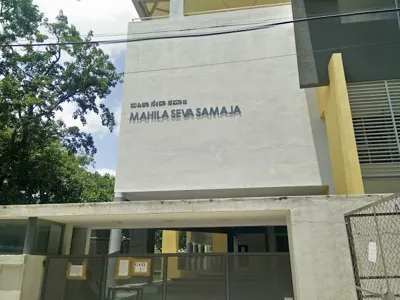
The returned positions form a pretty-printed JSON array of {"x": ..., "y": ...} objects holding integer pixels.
[
  {"x": 103, "y": 17},
  {"x": 107, "y": 144}
]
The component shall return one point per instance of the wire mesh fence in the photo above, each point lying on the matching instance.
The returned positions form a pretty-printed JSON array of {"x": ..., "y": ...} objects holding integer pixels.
[{"x": 374, "y": 237}]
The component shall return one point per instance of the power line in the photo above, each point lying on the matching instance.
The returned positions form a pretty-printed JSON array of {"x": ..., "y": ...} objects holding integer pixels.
[
  {"x": 177, "y": 30},
  {"x": 207, "y": 27},
  {"x": 263, "y": 58},
  {"x": 260, "y": 27}
]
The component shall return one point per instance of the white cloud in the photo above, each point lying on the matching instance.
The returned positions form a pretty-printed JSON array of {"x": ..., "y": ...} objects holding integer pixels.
[
  {"x": 104, "y": 171},
  {"x": 101, "y": 16},
  {"x": 93, "y": 120}
]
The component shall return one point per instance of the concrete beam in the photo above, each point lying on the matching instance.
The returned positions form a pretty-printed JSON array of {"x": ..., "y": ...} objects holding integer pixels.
[{"x": 263, "y": 211}]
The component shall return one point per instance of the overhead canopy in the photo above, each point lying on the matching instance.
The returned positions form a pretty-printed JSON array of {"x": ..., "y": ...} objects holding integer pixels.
[{"x": 157, "y": 8}]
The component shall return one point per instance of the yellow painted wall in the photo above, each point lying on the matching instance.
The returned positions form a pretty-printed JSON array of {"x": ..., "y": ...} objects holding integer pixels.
[
  {"x": 170, "y": 244},
  {"x": 219, "y": 243},
  {"x": 334, "y": 106}
]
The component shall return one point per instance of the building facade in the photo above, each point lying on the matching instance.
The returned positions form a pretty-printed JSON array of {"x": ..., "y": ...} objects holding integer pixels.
[
  {"x": 216, "y": 105},
  {"x": 247, "y": 126},
  {"x": 226, "y": 99}
]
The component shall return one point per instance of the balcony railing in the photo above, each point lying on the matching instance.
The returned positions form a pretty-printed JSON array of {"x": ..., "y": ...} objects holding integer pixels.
[{"x": 156, "y": 9}]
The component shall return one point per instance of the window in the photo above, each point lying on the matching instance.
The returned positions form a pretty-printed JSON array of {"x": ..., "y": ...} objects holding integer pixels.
[
  {"x": 49, "y": 238},
  {"x": 375, "y": 108},
  {"x": 12, "y": 236}
]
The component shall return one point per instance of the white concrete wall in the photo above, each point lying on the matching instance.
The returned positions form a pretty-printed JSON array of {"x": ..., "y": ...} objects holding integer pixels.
[
  {"x": 33, "y": 277},
  {"x": 320, "y": 139},
  {"x": 269, "y": 146},
  {"x": 319, "y": 251},
  {"x": 11, "y": 274},
  {"x": 21, "y": 277}
]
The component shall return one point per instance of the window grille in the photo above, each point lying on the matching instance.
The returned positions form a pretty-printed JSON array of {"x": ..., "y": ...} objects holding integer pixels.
[{"x": 375, "y": 108}]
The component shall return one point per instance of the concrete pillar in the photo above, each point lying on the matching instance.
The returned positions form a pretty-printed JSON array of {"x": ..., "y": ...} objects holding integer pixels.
[
  {"x": 31, "y": 236},
  {"x": 138, "y": 243},
  {"x": 114, "y": 244},
  {"x": 271, "y": 239},
  {"x": 53, "y": 246},
  {"x": 189, "y": 250},
  {"x": 170, "y": 244},
  {"x": 334, "y": 105},
  {"x": 319, "y": 254},
  {"x": 235, "y": 244},
  {"x": 194, "y": 258},
  {"x": 176, "y": 9},
  {"x": 219, "y": 243},
  {"x": 189, "y": 247},
  {"x": 67, "y": 239},
  {"x": 80, "y": 241}
]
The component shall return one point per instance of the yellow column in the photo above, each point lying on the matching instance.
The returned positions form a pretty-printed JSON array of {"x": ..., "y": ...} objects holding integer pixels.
[
  {"x": 170, "y": 244},
  {"x": 334, "y": 106},
  {"x": 219, "y": 243}
]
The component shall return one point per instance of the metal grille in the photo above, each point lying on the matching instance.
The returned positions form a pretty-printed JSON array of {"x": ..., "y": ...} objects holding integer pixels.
[
  {"x": 375, "y": 108},
  {"x": 229, "y": 276},
  {"x": 374, "y": 237}
]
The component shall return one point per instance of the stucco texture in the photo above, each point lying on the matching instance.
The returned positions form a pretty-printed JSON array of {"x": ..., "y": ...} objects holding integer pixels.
[{"x": 269, "y": 145}]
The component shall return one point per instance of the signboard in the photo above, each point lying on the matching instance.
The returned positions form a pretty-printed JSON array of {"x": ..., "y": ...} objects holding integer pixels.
[
  {"x": 76, "y": 272},
  {"x": 372, "y": 252},
  {"x": 123, "y": 270},
  {"x": 141, "y": 266},
  {"x": 157, "y": 112}
]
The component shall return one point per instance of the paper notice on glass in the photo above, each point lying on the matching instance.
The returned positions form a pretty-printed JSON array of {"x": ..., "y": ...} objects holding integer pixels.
[
  {"x": 76, "y": 271},
  {"x": 123, "y": 268},
  {"x": 141, "y": 267},
  {"x": 372, "y": 252}
]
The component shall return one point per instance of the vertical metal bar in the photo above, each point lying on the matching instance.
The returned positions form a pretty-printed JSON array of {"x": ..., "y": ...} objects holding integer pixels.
[
  {"x": 45, "y": 275},
  {"x": 398, "y": 13},
  {"x": 165, "y": 277},
  {"x": 227, "y": 277},
  {"x": 353, "y": 257},
  {"x": 65, "y": 293},
  {"x": 396, "y": 134},
  {"x": 380, "y": 246},
  {"x": 104, "y": 278}
]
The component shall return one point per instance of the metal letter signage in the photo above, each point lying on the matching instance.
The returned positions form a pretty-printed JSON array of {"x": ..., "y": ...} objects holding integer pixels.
[{"x": 179, "y": 114}]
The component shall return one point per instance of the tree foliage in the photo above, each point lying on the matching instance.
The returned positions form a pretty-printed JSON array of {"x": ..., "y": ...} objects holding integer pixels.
[{"x": 41, "y": 159}]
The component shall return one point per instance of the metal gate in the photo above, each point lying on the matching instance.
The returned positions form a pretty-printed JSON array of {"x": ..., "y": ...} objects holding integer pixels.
[
  {"x": 210, "y": 276},
  {"x": 374, "y": 238}
]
